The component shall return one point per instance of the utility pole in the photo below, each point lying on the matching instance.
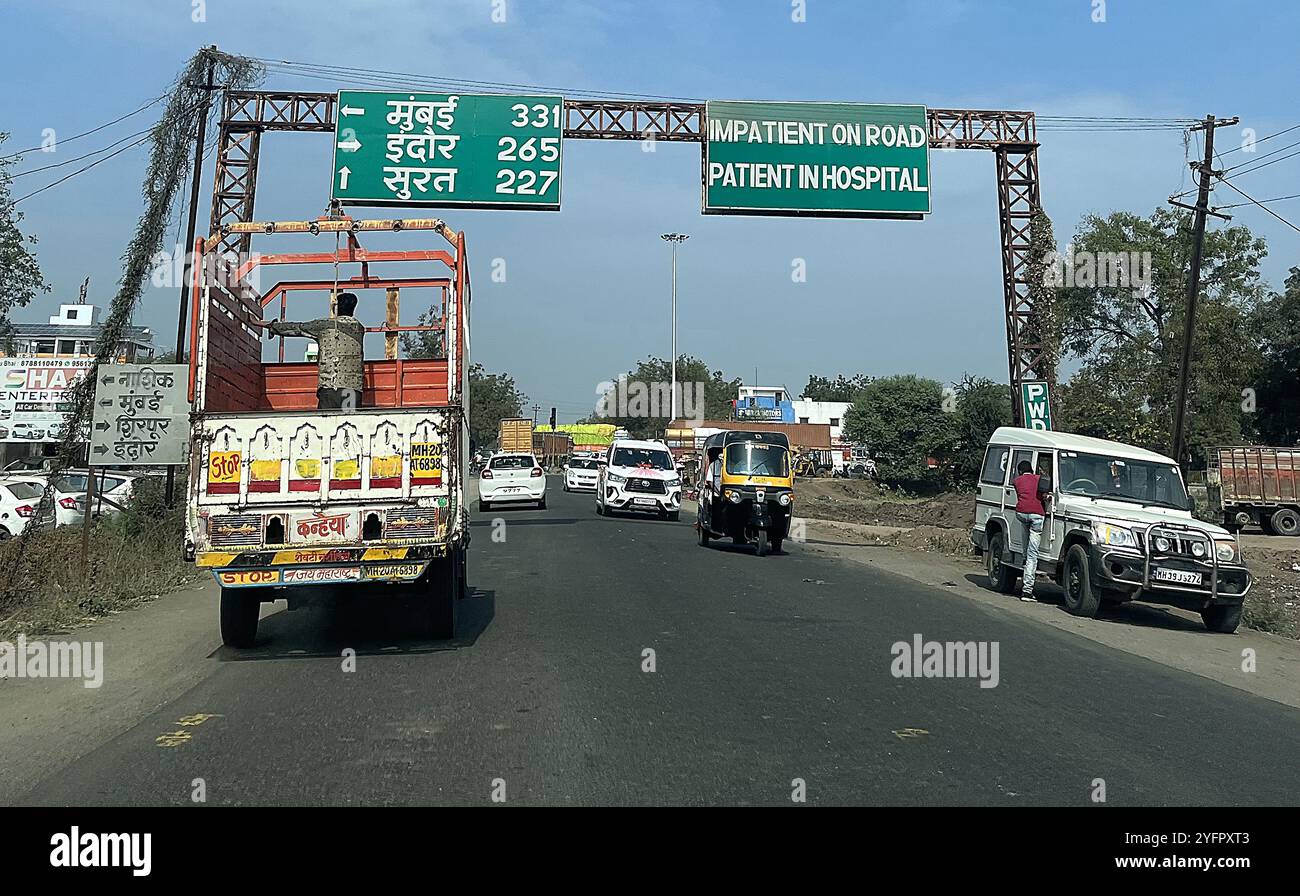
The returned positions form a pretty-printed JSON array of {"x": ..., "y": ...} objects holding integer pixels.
[
  {"x": 675, "y": 239},
  {"x": 536, "y": 408},
  {"x": 1206, "y": 170},
  {"x": 195, "y": 179}
]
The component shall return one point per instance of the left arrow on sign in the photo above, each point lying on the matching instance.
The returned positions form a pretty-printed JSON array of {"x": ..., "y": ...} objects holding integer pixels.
[
  {"x": 352, "y": 110},
  {"x": 343, "y": 177},
  {"x": 350, "y": 145}
]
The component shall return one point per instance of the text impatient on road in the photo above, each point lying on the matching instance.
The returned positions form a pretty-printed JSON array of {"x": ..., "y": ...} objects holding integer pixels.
[
  {"x": 448, "y": 150},
  {"x": 826, "y": 159}
]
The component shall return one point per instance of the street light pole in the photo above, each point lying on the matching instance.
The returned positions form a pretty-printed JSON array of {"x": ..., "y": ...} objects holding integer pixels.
[{"x": 674, "y": 238}]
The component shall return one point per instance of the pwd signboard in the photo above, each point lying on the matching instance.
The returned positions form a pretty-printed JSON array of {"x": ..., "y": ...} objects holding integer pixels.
[
  {"x": 1036, "y": 405},
  {"x": 448, "y": 150},
  {"x": 823, "y": 159},
  {"x": 142, "y": 415}
]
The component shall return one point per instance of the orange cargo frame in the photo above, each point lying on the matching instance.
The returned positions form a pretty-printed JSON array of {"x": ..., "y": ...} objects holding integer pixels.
[{"x": 227, "y": 373}]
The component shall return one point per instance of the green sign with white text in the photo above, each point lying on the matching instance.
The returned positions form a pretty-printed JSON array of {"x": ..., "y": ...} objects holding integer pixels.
[
  {"x": 1036, "y": 405},
  {"x": 825, "y": 159},
  {"x": 448, "y": 150}
]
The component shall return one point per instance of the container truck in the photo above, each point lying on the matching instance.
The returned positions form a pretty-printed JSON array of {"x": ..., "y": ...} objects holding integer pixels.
[
  {"x": 287, "y": 501},
  {"x": 516, "y": 435}
]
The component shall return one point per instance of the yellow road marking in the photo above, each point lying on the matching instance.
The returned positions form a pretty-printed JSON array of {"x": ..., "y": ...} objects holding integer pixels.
[{"x": 181, "y": 735}]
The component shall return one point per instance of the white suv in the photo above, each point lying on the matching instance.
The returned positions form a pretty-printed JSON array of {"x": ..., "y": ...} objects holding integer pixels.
[
  {"x": 641, "y": 476},
  {"x": 1119, "y": 527}
]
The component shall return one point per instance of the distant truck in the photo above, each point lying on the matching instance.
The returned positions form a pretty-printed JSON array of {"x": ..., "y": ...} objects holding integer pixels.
[
  {"x": 287, "y": 501},
  {"x": 1256, "y": 484},
  {"x": 515, "y": 435}
]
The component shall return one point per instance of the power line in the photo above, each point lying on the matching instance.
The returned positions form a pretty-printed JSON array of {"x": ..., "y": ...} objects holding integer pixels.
[
  {"x": 153, "y": 102},
  {"x": 1255, "y": 201},
  {"x": 86, "y": 156},
  {"x": 1274, "y": 199},
  {"x": 67, "y": 177},
  {"x": 1264, "y": 156},
  {"x": 1262, "y": 139},
  {"x": 1266, "y": 164}
]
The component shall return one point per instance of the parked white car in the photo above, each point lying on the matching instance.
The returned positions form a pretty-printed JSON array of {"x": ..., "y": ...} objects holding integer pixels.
[
  {"x": 581, "y": 474},
  {"x": 1119, "y": 527},
  {"x": 19, "y": 498},
  {"x": 511, "y": 478},
  {"x": 641, "y": 476},
  {"x": 69, "y": 499},
  {"x": 30, "y": 431}
]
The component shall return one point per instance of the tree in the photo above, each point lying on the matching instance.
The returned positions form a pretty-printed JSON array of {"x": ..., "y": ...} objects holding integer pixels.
[
  {"x": 1126, "y": 332},
  {"x": 841, "y": 388},
  {"x": 640, "y": 403},
  {"x": 492, "y": 397},
  {"x": 1043, "y": 328},
  {"x": 1276, "y": 399},
  {"x": 982, "y": 406},
  {"x": 902, "y": 419},
  {"x": 426, "y": 343},
  {"x": 20, "y": 276}
]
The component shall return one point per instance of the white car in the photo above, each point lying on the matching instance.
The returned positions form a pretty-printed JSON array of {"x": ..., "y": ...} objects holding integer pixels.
[
  {"x": 511, "y": 478},
  {"x": 641, "y": 476},
  {"x": 19, "y": 498},
  {"x": 29, "y": 431},
  {"x": 111, "y": 493},
  {"x": 581, "y": 474}
]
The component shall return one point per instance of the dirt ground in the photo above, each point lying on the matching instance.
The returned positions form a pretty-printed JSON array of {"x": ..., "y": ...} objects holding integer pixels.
[{"x": 941, "y": 525}]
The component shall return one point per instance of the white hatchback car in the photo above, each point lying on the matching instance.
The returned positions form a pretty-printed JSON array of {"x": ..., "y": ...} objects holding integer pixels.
[
  {"x": 19, "y": 499},
  {"x": 511, "y": 478},
  {"x": 581, "y": 474}
]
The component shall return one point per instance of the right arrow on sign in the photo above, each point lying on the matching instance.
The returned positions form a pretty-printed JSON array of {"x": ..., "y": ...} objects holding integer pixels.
[{"x": 352, "y": 144}]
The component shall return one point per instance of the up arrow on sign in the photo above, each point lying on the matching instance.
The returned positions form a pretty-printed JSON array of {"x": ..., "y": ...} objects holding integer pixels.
[{"x": 343, "y": 177}]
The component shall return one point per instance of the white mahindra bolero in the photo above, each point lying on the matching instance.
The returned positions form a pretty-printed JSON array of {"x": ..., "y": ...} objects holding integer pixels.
[{"x": 1119, "y": 527}]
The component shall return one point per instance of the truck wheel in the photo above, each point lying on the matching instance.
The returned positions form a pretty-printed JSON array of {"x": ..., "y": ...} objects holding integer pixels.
[
  {"x": 1284, "y": 521},
  {"x": 239, "y": 612},
  {"x": 439, "y": 593},
  {"x": 483, "y": 505},
  {"x": 1002, "y": 578},
  {"x": 1081, "y": 597},
  {"x": 1222, "y": 618},
  {"x": 761, "y": 543}
]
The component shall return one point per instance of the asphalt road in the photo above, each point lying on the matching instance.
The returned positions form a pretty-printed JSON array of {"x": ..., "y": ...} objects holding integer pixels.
[{"x": 766, "y": 670}]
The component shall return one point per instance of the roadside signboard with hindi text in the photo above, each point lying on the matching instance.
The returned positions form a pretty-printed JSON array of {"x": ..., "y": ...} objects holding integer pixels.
[
  {"x": 142, "y": 415},
  {"x": 822, "y": 159},
  {"x": 448, "y": 150}
]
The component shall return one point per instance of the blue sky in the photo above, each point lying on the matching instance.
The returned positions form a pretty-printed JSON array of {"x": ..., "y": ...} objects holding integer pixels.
[{"x": 586, "y": 292}]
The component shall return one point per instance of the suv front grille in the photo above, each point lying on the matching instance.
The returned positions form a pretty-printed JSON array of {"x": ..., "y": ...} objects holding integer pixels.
[
  {"x": 1180, "y": 545},
  {"x": 646, "y": 486}
]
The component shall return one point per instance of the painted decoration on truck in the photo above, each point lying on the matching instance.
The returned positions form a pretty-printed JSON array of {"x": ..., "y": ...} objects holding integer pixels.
[
  {"x": 386, "y": 457},
  {"x": 426, "y": 454},
  {"x": 266, "y": 461},
  {"x": 345, "y": 459},
  {"x": 320, "y": 526},
  {"x": 304, "y": 459}
]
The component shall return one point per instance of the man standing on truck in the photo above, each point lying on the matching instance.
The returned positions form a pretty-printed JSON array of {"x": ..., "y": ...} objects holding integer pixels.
[
  {"x": 1032, "y": 491},
  {"x": 340, "y": 340}
]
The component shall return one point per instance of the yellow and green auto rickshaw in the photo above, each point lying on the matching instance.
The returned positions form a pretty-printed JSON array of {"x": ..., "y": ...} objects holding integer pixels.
[{"x": 746, "y": 489}]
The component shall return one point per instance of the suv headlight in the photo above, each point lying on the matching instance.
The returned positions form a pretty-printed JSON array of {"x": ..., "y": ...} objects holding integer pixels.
[
  {"x": 1226, "y": 551},
  {"x": 614, "y": 477},
  {"x": 673, "y": 483},
  {"x": 1117, "y": 536}
]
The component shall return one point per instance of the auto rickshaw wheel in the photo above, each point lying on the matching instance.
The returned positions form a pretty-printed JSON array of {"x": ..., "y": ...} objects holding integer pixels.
[
  {"x": 704, "y": 536},
  {"x": 761, "y": 544}
]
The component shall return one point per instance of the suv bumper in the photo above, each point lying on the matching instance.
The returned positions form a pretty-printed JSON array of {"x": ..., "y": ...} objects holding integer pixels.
[
  {"x": 1123, "y": 571},
  {"x": 619, "y": 499}
]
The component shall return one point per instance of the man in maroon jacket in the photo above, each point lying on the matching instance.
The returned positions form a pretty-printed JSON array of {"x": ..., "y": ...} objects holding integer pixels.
[{"x": 1032, "y": 491}]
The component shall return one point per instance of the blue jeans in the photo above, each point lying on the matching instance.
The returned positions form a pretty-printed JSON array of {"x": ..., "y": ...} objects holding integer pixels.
[{"x": 1033, "y": 524}]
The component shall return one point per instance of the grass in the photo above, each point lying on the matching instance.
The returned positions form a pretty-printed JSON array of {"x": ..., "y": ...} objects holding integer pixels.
[{"x": 133, "y": 557}]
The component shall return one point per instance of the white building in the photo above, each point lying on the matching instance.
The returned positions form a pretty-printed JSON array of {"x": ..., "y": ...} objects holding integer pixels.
[
  {"x": 831, "y": 413},
  {"x": 777, "y": 394}
]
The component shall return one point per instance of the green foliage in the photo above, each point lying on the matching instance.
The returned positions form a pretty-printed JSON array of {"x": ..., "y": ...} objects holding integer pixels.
[
  {"x": 1277, "y": 395},
  {"x": 1043, "y": 327},
  {"x": 1128, "y": 339},
  {"x": 20, "y": 276},
  {"x": 425, "y": 343},
  {"x": 719, "y": 393},
  {"x": 841, "y": 388},
  {"x": 903, "y": 420},
  {"x": 492, "y": 397},
  {"x": 982, "y": 406}
]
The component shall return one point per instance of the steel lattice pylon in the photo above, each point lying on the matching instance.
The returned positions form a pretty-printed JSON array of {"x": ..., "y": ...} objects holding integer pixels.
[{"x": 1011, "y": 136}]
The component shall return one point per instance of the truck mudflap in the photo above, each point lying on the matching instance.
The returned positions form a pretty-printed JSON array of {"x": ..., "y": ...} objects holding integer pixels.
[{"x": 333, "y": 566}]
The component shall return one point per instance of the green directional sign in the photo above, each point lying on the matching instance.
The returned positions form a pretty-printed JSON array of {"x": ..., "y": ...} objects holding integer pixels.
[
  {"x": 825, "y": 159},
  {"x": 1036, "y": 405},
  {"x": 448, "y": 150}
]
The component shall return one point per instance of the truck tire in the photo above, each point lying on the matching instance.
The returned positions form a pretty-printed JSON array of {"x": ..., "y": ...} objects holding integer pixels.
[
  {"x": 1082, "y": 598},
  {"x": 239, "y": 613},
  {"x": 1284, "y": 521},
  {"x": 1002, "y": 578},
  {"x": 439, "y": 593},
  {"x": 1222, "y": 618}
]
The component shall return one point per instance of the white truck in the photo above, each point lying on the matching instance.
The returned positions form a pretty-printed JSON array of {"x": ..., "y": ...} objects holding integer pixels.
[{"x": 287, "y": 501}]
